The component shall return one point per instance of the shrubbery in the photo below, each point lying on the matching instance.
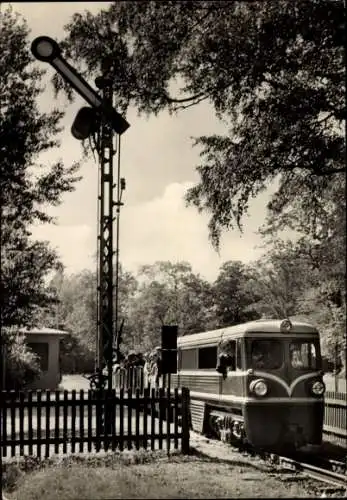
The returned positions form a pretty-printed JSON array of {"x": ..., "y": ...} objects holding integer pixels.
[
  {"x": 75, "y": 357},
  {"x": 21, "y": 364}
]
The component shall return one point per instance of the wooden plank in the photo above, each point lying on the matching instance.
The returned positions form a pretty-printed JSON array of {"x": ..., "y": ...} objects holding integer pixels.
[
  {"x": 152, "y": 418},
  {"x": 13, "y": 421},
  {"x": 335, "y": 430},
  {"x": 99, "y": 420},
  {"x": 145, "y": 417},
  {"x": 185, "y": 421},
  {"x": 3, "y": 410},
  {"x": 48, "y": 409},
  {"x": 335, "y": 402},
  {"x": 137, "y": 418},
  {"x": 81, "y": 422},
  {"x": 56, "y": 421},
  {"x": 168, "y": 417},
  {"x": 39, "y": 423},
  {"x": 176, "y": 418},
  {"x": 65, "y": 409},
  {"x": 129, "y": 403},
  {"x": 113, "y": 417},
  {"x": 121, "y": 418},
  {"x": 73, "y": 421},
  {"x": 161, "y": 411},
  {"x": 21, "y": 422},
  {"x": 60, "y": 440},
  {"x": 89, "y": 421}
]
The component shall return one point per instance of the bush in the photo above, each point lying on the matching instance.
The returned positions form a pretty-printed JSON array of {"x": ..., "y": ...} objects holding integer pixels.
[
  {"x": 22, "y": 365},
  {"x": 75, "y": 357}
]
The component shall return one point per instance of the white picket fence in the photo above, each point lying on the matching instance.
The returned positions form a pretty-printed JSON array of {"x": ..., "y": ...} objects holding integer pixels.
[{"x": 130, "y": 378}]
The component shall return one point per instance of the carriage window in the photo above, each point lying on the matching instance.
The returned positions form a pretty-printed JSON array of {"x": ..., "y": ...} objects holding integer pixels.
[
  {"x": 207, "y": 357},
  {"x": 303, "y": 355},
  {"x": 266, "y": 354},
  {"x": 188, "y": 359}
]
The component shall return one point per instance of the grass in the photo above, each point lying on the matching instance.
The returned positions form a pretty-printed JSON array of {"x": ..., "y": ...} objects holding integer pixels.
[{"x": 143, "y": 475}]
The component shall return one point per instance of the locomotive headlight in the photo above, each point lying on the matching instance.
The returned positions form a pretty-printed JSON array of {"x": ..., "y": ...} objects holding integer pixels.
[
  {"x": 259, "y": 387},
  {"x": 318, "y": 388}
]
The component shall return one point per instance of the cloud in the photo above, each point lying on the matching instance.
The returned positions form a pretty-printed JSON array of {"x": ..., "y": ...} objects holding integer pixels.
[
  {"x": 165, "y": 229},
  {"x": 75, "y": 244},
  {"x": 160, "y": 229}
]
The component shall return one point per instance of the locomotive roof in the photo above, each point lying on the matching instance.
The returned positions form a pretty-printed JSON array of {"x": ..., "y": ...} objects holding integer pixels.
[{"x": 259, "y": 326}]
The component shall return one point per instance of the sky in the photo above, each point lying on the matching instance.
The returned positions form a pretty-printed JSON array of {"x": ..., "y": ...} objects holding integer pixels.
[{"x": 158, "y": 163}]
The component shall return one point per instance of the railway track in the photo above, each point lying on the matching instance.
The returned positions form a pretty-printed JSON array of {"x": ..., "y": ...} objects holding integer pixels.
[
  {"x": 328, "y": 471},
  {"x": 325, "y": 475}
]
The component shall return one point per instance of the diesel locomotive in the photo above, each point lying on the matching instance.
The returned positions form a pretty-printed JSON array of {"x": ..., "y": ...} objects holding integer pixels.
[{"x": 259, "y": 382}]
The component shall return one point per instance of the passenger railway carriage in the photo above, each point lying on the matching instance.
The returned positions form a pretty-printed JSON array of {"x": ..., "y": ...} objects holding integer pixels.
[{"x": 259, "y": 381}]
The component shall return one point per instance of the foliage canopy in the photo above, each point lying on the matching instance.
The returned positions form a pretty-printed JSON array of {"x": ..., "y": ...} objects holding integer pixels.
[{"x": 274, "y": 71}]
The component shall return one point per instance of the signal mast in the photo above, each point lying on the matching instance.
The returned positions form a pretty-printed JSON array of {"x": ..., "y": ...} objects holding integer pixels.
[{"x": 99, "y": 122}]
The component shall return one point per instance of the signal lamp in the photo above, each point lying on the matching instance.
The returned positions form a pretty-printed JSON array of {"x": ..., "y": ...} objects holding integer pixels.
[
  {"x": 84, "y": 123},
  {"x": 45, "y": 49}
]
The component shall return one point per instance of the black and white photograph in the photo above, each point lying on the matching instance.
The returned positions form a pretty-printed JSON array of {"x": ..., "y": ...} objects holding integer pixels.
[{"x": 173, "y": 249}]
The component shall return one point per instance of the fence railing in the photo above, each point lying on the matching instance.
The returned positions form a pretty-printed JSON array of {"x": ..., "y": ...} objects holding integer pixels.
[
  {"x": 335, "y": 416},
  {"x": 133, "y": 378},
  {"x": 43, "y": 423}
]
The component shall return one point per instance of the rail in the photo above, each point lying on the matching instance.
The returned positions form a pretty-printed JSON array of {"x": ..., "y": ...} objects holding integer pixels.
[{"x": 324, "y": 475}]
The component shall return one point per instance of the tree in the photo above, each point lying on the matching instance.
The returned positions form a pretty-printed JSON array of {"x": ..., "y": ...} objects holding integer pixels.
[
  {"x": 76, "y": 311},
  {"x": 318, "y": 257},
  {"x": 169, "y": 294},
  {"x": 26, "y": 186},
  {"x": 232, "y": 295},
  {"x": 273, "y": 70},
  {"x": 280, "y": 279}
]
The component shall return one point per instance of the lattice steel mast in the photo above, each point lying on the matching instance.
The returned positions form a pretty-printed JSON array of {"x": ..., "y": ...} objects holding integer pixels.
[
  {"x": 102, "y": 119},
  {"x": 105, "y": 237}
]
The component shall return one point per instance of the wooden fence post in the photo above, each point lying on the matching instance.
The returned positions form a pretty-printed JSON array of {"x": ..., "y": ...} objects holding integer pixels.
[{"x": 185, "y": 421}]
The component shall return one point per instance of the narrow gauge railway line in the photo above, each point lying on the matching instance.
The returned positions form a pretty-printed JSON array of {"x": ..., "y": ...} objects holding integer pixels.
[
  {"x": 317, "y": 467},
  {"x": 334, "y": 481},
  {"x": 336, "y": 464},
  {"x": 319, "y": 473},
  {"x": 328, "y": 464}
]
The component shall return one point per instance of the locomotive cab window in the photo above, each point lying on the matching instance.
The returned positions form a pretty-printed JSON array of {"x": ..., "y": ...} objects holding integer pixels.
[
  {"x": 266, "y": 354},
  {"x": 303, "y": 355},
  {"x": 207, "y": 357}
]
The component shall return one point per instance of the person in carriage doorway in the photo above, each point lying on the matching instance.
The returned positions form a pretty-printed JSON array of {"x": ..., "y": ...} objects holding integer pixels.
[
  {"x": 226, "y": 357},
  {"x": 147, "y": 369},
  {"x": 155, "y": 368}
]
